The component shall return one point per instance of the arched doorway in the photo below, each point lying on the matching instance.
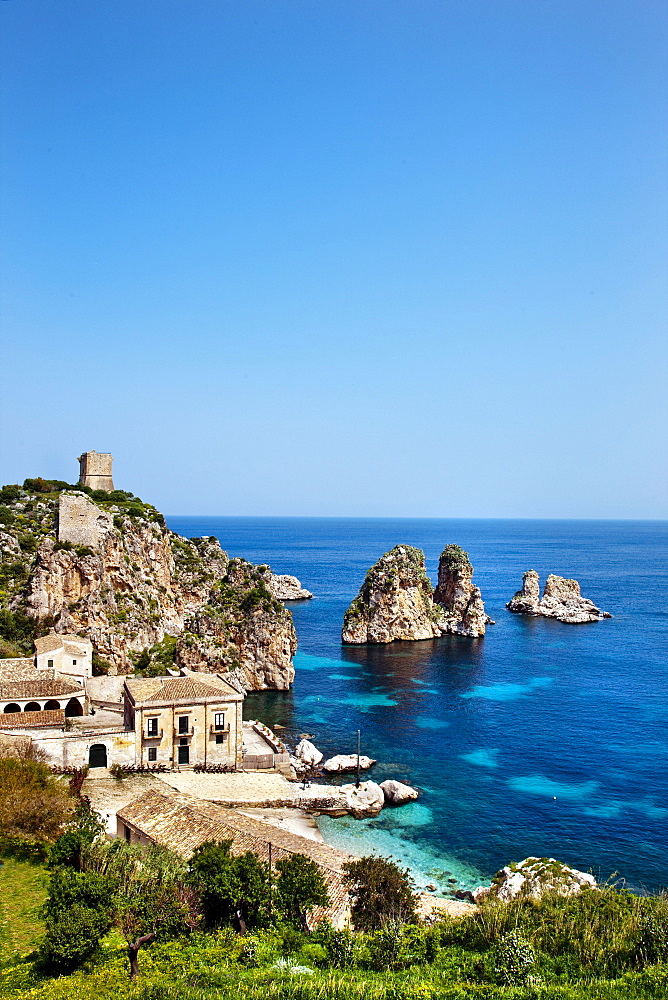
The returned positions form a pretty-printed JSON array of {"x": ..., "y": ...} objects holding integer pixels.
[
  {"x": 11, "y": 708},
  {"x": 52, "y": 706},
  {"x": 73, "y": 707},
  {"x": 97, "y": 755},
  {"x": 32, "y": 706}
]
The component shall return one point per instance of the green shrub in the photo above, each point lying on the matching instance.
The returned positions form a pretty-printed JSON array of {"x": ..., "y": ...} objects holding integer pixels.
[
  {"x": 73, "y": 937},
  {"x": 514, "y": 959}
]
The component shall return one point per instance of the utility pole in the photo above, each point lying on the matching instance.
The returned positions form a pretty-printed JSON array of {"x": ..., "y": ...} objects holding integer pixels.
[
  {"x": 271, "y": 900},
  {"x": 357, "y": 783}
]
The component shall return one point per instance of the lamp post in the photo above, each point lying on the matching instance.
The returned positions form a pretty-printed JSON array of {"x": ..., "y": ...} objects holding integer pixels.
[{"x": 357, "y": 782}]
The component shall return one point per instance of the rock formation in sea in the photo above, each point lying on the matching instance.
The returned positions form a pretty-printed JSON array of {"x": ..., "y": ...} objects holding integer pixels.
[
  {"x": 394, "y": 602},
  {"x": 533, "y": 877},
  {"x": 105, "y": 566},
  {"x": 463, "y": 608},
  {"x": 348, "y": 762},
  {"x": 288, "y": 588},
  {"x": 396, "y": 792},
  {"x": 561, "y": 600},
  {"x": 363, "y": 802}
]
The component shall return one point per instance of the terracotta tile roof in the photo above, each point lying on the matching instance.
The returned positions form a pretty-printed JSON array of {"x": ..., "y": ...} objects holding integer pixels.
[
  {"x": 47, "y": 643},
  {"x": 182, "y": 822},
  {"x": 169, "y": 689},
  {"x": 38, "y": 687},
  {"x": 18, "y": 668},
  {"x": 31, "y": 720}
]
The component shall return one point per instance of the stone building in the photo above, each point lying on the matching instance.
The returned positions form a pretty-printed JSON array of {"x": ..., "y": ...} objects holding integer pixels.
[
  {"x": 95, "y": 470},
  {"x": 182, "y": 822},
  {"x": 50, "y": 686},
  {"x": 181, "y": 721}
]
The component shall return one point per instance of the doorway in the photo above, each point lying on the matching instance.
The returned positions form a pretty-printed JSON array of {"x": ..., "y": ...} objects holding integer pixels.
[
  {"x": 184, "y": 755},
  {"x": 97, "y": 755}
]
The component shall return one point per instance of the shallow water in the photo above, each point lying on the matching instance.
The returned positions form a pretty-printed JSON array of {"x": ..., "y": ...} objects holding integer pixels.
[{"x": 542, "y": 738}]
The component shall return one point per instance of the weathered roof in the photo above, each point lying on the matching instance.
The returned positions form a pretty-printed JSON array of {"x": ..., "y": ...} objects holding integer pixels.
[
  {"x": 39, "y": 687},
  {"x": 182, "y": 822},
  {"x": 209, "y": 687},
  {"x": 31, "y": 720},
  {"x": 17, "y": 668},
  {"x": 47, "y": 643}
]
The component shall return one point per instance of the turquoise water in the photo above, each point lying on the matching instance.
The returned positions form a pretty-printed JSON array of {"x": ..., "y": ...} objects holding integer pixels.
[{"x": 542, "y": 738}]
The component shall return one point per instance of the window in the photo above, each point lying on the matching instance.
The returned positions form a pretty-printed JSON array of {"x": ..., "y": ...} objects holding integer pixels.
[
  {"x": 219, "y": 720},
  {"x": 49, "y": 664},
  {"x": 74, "y": 663},
  {"x": 152, "y": 753},
  {"x": 127, "y": 834},
  {"x": 183, "y": 742},
  {"x": 152, "y": 727},
  {"x": 220, "y": 738},
  {"x": 183, "y": 723}
]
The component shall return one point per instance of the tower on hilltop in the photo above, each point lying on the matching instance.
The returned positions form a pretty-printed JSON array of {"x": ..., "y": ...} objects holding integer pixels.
[{"x": 95, "y": 470}]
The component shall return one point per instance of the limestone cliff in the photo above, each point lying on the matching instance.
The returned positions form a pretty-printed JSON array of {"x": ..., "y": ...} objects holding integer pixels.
[
  {"x": 463, "y": 608},
  {"x": 135, "y": 583},
  {"x": 561, "y": 600},
  {"x": 243, "y": 626},
  {"x": 394, "y": 602}
]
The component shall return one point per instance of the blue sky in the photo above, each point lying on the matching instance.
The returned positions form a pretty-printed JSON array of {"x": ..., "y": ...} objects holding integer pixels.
[{"x": 356, "y": 257}]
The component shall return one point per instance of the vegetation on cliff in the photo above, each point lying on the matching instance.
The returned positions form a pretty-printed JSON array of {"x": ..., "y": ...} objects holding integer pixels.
[{"x": 143, "y": 595}]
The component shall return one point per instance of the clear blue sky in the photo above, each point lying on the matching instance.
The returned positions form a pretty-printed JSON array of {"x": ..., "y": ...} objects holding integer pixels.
[{"x": 352, "y": 257}]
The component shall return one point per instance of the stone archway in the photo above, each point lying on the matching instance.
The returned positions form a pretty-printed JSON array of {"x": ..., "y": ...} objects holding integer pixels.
[
  {"x": 11, "y": 708},
  {"x": 97, "y": 755},
  {"x": 52, "y": 706},
  {"x": 32, "y": 706},
  {"x": 73, "y": 707}
]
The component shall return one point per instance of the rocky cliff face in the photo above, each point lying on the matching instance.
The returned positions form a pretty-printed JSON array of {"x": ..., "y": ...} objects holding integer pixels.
[
  {"x": 243, "y": 626},
  {"x": 139, "y": 583},
  {"x": 561, "y": 600},
  {"x": 394, "y": 602},
  {"x": 461, "y": 601}
]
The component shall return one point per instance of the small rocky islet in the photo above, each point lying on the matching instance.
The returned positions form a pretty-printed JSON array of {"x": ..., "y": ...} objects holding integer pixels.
[
  {"x": 561, "y": 600},
  {"x": 397, "y": 600}
]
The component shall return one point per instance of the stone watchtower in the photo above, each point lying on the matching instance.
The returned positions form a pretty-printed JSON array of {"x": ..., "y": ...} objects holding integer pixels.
[{"x": 95, "y": 470}]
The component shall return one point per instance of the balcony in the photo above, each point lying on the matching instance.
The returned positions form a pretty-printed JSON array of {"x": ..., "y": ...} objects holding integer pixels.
[
  {"x": 188, "y": 732},
  {"x": 146, "y": 735},
  {"x": 220, "y": 731}
]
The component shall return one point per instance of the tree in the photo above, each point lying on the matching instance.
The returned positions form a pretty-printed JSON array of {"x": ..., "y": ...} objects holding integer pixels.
[
  {"x": 153, "y": 897},
  {"x": 300, "y": 885},
  {"x": 34, "y": 805},
  {"x": 381, "y": 893},
  {"x": 77, "y": 914},
  {"x": 233, "y": 889}
]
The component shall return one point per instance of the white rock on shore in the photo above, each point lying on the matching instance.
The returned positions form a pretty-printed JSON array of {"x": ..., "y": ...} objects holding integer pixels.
[
  {"x": 307, "y": 753},
  {"x": 347, "y": 762},
  {"x": 533, "y": 877},
  {"x": 396, "y": 792},
  {"x": 365, "y": 801},
  {"x": 288, "y": 588}
]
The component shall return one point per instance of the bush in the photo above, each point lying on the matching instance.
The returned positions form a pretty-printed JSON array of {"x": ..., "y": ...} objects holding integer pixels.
[
  {"x": 514, "y": 959},
  {"x": 381, "y": 893},
  {"x": 73, "y": 937}
]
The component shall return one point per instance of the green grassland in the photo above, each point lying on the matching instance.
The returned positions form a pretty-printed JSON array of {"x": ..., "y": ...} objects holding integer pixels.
[{"x": 23, "y": 886}]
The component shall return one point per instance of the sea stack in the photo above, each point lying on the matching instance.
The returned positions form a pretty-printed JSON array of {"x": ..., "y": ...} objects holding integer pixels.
[
  {"x": 561, "y": 600},
  {"x": 463, "y": 608},
  {"x": 394, "y": 602}
]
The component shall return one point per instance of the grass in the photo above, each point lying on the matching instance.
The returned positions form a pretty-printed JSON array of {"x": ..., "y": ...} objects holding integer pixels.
[{"x": 22, "y": 892}]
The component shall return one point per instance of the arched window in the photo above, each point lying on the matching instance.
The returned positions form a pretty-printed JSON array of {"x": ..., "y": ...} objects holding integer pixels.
[
  {"x": 52, "y": 706},
  {"x": 11, "y": 708},
  {"x": 32, "y": 706},
  {"x": 73, "y": 707}
]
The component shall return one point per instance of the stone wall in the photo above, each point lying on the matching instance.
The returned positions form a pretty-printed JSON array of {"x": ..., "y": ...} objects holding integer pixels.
[{"x": 81, "y": 522}]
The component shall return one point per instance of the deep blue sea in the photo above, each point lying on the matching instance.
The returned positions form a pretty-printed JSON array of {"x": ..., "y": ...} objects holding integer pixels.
[{"x": 539, "y": 739}]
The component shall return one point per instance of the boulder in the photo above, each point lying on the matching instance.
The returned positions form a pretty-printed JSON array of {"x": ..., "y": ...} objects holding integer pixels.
[
  {"x": 394, "y": 602},
  {"x": 461, "y": 601},
  {"x": 533, "y": 877},
  {"x": 307, "y": 753},
  {"x": 365, "y": 801},
  {"x": 347, "y": 762},
  {"x": 396, "y": 793},
  {"x": 561, "y": 600},
  {"x": 288, "y": 588}
]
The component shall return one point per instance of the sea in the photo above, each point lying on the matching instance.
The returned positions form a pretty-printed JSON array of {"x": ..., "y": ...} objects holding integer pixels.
[{"x": 539, "y": 739}]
